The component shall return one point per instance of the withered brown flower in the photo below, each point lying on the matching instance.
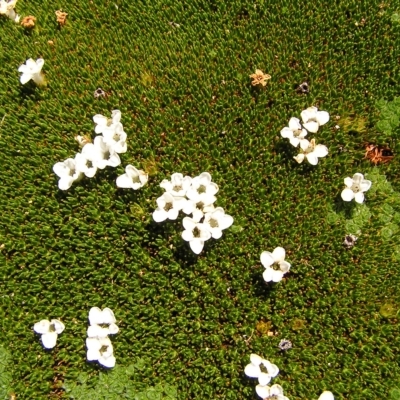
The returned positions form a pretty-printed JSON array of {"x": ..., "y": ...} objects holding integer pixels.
[
  {"x": 259, "y": 78},
  {"x": 28, "y": 22},
  {"x": 61, "y": 17},
  {"x": 378, "y": 154}
]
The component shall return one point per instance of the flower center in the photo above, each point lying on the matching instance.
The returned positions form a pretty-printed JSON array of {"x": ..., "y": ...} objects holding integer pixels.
[
  {"x": 52, "y": 328},
  {"x": 201, "y": 189},
  {"x": 136, "y": 179},
  {"x": 116, "y": 137},
  {"x": 168, "y": 206},
  {"x": 200, "y": 205},
  {"x": 72, "y": 172},
  {"x": 177, "y": 188},
  {"x": 297, "y": 132},
  {"x": 196, "y": 232},
  {"x": 213, "y": 223},
  {"x": 355, "y": 188},
  {"x": 89, "y": 164},
  {"x": 109, "y": 121},
  {"x": 103, "y": 349}
]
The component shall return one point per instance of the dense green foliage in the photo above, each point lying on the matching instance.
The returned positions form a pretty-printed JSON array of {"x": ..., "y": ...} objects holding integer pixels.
[{"x": 179, "y": 72}]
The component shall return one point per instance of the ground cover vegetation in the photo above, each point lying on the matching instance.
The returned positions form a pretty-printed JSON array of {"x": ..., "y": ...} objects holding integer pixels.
[{"x": 179, "y": 72}]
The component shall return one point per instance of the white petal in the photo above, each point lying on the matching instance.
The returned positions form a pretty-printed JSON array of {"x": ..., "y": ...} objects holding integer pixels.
[
  {"x": 65, "y": 183},
  {"x": 320, "y": 150},
  {"x": 108, "y": 362},
  {"x": 93, "y": 354},
  {"x": 255, "y": 359},
  {"x": 25, "y": 77},
  {"x": 299, "y": 158},
  {"x": 42, "y": 327},
  {"x": 348, "y": 182},
  {"x": 272, "y": 369},
  {"x": 304, "y": 144},
  {"x": 312, "y": 158},
  {"x": 100, "y": 120},
  {"x": 196, "y": 246},
  {"x": 322, "y": 117},
  {"x": 294, "y": 141},
  {"x": 278, "y": 254},
  {"x": 277, "y": 275},
  {"x": 284, "y": 266},
  {"x": 39, "y": 64},
  {"x": 365, "y": 185},
  {"x": 160, "y": 215},
  {"x": 113, "y": 329},
  {"x": 358, "y": 178},
  {"x": 49, "y": 339},
  {"x": 187, "y": 235},
  {"x": 173, "y": 214},
  {"x": 96, "y": 331},
  {"x": 262, "y": 391},
  {"x": 93, "y": 344},
  {"x": 264, "y": 379},
  {"x": 311, "y": 126},
  {"x": 347, "y": 194},
  {"x": 268, "y": 274},
  {"x": 204, "y": 178},
  {"x": 294, "y": 124},
  {"x": 108, "y": 316},
  {"x": 276, "y": 390},
  {"x": 225, "y": 222},
  {"x": 123, "y": 181},
  {"x": 287, "y": 133},
  {"x": 58, "y": 326},
  {"x": 252, "y": 371},
  {"x": 327, "y": 395},
  {"x": 359, "y": 197},
  {"x": 188, "y": 223},
  {"x": 95, "y": 316},
  {"x": 309, "y": 113},
  {"x": 267, "y": 259}
]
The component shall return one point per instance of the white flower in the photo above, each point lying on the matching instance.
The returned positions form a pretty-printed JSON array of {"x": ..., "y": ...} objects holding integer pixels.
[
  {"x": 326, "y": 396},
  {"x": 313, "y": 119},
  {"x": 68, "y": 172},
  {"x": 101, "y": 350},
  {"x": 216, "y": 221},
  {"x": 311, "y": 151},
  {"x": 178, "y": 185},
  {"x": 7, "y": 8},
  {"x": 103, "y": 123},
  {"x": 168, "y": 207},
  {"x": 198, "y": 204},
  {"x": 86, "y": 162},
  {"x": 100, "y": 154},
  {"x": 294, "y": 132},
  {"x": 102, "y": 323},
  {"x": 269, "y": 259},
  {"x": 355, "y": 188},
  {"x": 49, "y": 331},
  {"x": 202, "y": 184},
  {"x": 253, "y": 370},
  {"x": 195, "y": 233},
  {"x": 274, "y": 392},
  {"x": 132, "y": 179},
  {"x": 115, "y": 138},
  {"x": 32, "y": 70}
]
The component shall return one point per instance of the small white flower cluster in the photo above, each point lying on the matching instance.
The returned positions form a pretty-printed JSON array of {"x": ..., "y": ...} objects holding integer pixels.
[
  {"x": 99, "y": 346},
  {"x": 264, "y": 371},
  {"x": 7, "y": 8},
  {"x": 103, "y": 152},
  {"x": 276, "y": 258},
  {"x": 32, "y": 70},
  {"x": 49, "y": 331},
  {"x": 194, "y": 196},
  {"x": 296, "y": 133}
]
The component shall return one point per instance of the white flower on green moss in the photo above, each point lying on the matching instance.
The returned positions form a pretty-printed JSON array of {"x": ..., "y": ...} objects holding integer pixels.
[
  {"x": 106, "y": 124},
  {"x": 202, "y": 184},
  {"x": 7, "y": 8},
  {"x": 102, "y": 323},
  {"x": 276, "y": 258},
  {"x": 327, "y": 395},
  {"x": 115, "y": 138},
  {"x": 32, "y": 70},
  {"x": 168, "y": 207},
  {"x": 100, "y": 154},
  {"x": 198, "y": 204},
  {"x": 49, "y": 331},
  {"x": 261, "y": 367},
  {"x": 294, "y": 132},
  {"x": 216, "y": 221},
  {"x": 355, "y": 188},
  {"x": 68, "y": 172},
  {"x": 101, "y": 350},
  {"x": 311, "y": 151},
  {"x": 274, "y": 392},
  {"x": 313, "y": 119},
  {"x": 86, "y": 163},
  {"x": 195, "y": 233},
  {"x": 132, "y": 179},
  {"x": 178, "y": 185}
]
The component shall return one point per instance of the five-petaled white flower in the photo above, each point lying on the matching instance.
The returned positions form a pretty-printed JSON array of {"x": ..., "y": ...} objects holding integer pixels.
[
  {"x": 311, "y": 151},
  {"x": 115, "y": 138},
  {"x": 100, "y": 154},
  {"x": 198, "y": 204},
  {"x": 68, "y": 172},
  {"x": 49, "y": 331},
  {"x": 101, "y": 350},
  {"x": 202, "y": 184},
  {"x": 313, "y": 119},
  {"x": 106, "y": 124},
  {"x": 32, "y": 70},
  {"x": 274, "y": 392},
  {"x": 102, "y": 323},
  {"x": 168, "y": 207},
  {"x": 216, "y": 221},
  {"x": 269, "y": 259},
  {"x": 355, "y": 188},
  {"x": 132, "y": 179},
  {"x": 327, "y": 395},
  {"x": 195, "y": 233},
  {"x": 294, "y": 132},
  {"x": 178, "y": 185}
]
